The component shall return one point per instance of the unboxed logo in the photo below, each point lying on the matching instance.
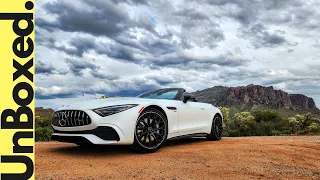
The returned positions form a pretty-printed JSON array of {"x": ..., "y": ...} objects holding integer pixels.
[{"x": 22, "y": 65}]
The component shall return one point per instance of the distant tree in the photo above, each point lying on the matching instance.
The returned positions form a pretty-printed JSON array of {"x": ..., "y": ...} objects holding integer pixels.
[
  {"x": 226, "y": 115},
  {"x": 266, "y": 115},
  {"x": 294, "y": 123},
  {"x": 243, "y": 118},
  {"x": 304, "y": 120},
  {"x": 226, "y": 120},
  {"x": 116, "y": 96},
  {"x": 314, "y": 127}
]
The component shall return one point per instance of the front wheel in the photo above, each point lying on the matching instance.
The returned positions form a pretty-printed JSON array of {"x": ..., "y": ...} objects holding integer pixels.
[
  {"x": 151, "y": 131},
  {"x": 216, "y": 129}
]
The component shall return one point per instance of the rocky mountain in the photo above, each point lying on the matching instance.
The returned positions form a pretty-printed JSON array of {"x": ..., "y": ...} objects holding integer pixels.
[
  {"x": 303, "y": 101},
  {"x": 254, "y": 95},
  {"x": 40, "y": 111}
]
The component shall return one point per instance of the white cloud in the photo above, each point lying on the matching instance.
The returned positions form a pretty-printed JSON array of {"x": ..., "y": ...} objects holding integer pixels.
[{"x": 116, "y": 48}]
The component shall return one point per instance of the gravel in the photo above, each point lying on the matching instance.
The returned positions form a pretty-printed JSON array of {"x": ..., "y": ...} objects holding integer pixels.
[{"x": 283, "y": 157}]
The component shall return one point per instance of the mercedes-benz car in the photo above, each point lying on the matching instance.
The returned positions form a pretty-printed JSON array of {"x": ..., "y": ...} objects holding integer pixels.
[{"x": 145, "y": 122}]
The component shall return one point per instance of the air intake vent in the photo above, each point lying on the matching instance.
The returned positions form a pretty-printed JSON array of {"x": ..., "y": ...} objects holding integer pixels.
[{"x": 70, "y": 118}]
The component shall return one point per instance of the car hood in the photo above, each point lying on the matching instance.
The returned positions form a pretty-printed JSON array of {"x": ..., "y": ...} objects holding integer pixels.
[{"x": 98, "y": 103}]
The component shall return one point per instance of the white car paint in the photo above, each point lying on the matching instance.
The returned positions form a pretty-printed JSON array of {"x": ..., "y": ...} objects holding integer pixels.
[{"x": 188, "y": 118}]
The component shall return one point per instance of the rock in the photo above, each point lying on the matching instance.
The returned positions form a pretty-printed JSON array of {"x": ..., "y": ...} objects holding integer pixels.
[
  {"x": 255, "y": 96},
  {"x": 303, "y": 101},
  {"x": 40, "y": 111}
]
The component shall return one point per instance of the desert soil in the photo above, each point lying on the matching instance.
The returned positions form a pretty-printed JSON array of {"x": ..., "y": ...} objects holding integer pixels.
[{"x": 287, "y": 157}]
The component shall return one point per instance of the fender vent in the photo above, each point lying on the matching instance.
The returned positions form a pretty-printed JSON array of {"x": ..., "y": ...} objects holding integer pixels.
[{"x": 70, "y": 118}]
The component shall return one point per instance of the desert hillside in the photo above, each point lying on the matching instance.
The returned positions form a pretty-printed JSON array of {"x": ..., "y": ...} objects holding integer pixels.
[
  {"x": 255, "y": 96},
  {"x": 40, "y": 111}
]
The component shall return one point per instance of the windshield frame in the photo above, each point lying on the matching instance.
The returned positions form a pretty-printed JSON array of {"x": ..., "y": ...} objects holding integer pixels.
[{"x": 178, "y": 96}]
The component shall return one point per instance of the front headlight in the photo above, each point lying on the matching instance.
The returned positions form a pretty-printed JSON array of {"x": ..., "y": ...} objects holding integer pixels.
[{"x": 109, "y": 110}]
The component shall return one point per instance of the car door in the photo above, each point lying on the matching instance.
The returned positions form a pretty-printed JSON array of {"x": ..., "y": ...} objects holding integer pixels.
[
  {"x": 190, "y": 120},
  {"x": 205, "y": 116}
]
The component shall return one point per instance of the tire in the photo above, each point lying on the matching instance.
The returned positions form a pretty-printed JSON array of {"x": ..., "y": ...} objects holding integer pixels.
[
  {"x": 150, "y": 132},
  {"x": 216, "y": 129}
]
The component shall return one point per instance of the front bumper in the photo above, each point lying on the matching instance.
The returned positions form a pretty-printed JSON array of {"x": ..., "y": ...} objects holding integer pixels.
[{"x": 113, "y": 129}]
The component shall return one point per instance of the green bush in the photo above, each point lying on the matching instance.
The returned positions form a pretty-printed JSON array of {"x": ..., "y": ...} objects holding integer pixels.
[
  {"x": 278, "y": 133},
  {"x": 234, "y": 133},
  {"x": 304, "y": 123},
  {"x": 314, "y": 127},
  {"x": 266, "y": 115},
  {"x": 225, "y": 132},
  {"x": 247, "y": 130},
  {"x": 43, "y": 133},
  {"x": 43, "y": 122},
  {"x": 265, "y": 128},
  {"x": 278, "y": 122},
  {"x": 259, "y": 123},
  {"x": 243, "y": 118}
]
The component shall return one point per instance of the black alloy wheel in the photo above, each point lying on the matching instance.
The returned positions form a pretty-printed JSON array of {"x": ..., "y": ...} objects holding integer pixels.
[
  {"x": 216, "y": 129},
  {"x": 151, "y": 131}
]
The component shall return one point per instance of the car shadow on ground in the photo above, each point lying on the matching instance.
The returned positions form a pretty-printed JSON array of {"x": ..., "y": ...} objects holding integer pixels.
[
  {"x": 93, "y": 150},
  {"x": 113, "y": 150},
  {"x": 185, "y": 141}
]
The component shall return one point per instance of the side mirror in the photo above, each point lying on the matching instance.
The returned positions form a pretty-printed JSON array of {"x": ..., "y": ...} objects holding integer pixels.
[{"x": 187, "y": 97}]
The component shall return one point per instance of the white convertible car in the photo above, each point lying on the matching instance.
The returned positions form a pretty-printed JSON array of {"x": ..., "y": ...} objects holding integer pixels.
[{"x": 144, "y": 122}]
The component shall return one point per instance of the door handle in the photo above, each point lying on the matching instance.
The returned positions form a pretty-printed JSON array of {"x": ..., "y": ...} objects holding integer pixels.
[{"x": 171, "y": 108}]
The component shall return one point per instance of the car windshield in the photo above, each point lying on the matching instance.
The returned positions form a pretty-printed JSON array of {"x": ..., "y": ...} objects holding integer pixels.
[{"x": 160, "y": 94}]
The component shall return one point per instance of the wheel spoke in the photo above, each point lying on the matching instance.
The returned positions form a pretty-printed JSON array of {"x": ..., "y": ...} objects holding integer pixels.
[
  {"x": 153, "y": 116},
  {"x": 218, "y": 127},
  {"x": 155, "y": 121},
  {"x": 142, "y": 133},
  {"x": 160, "y": 134},
  {"x": 144, "y": 123},
  {"x": 155, "y": 138},
  {"x": 148, "y": 121},
  {"x": 162, "y": 127},
  {"x": 149, "y": 137},
  {"x": 145, "y": 139},
  {"x": 140, "y": 127},
  {"x": 141, "y": 136},
  {"x": 159, "y": 118}
]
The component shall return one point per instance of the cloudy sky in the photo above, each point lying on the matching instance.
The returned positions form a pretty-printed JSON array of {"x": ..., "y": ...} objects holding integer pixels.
[{"x": 89, "y": 48}]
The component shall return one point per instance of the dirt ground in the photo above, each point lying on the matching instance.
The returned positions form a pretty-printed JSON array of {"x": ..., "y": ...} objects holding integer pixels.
[{"x": 286, "y": 157}]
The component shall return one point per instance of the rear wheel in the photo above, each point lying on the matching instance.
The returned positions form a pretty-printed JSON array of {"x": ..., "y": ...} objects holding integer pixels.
[
  {"x": 151, "y": 131},
  {"x": 216, "y": 129}
]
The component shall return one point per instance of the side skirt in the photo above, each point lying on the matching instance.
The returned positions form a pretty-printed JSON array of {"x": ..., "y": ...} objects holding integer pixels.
[{"x": 189, "y": 136}]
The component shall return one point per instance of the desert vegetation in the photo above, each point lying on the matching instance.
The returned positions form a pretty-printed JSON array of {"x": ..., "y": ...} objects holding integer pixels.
[
  {"x": 268, "y": 123},
  {"x": 43, "y": 129}
]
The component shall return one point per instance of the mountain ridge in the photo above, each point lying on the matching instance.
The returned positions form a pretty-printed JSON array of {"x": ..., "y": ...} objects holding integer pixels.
[{"x": 255, "y": 95}]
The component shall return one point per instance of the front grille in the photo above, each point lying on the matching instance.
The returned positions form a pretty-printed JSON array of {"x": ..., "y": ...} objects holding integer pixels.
[{"x": 70, "y": 118}]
